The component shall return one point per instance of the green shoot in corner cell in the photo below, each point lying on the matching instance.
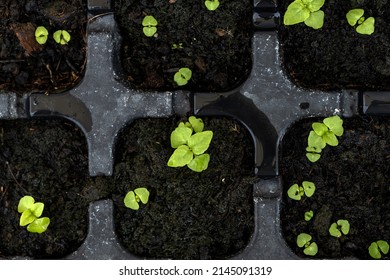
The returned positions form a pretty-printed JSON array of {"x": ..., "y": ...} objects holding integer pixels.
[
  {"x": 364, "y": 26},
  {"x": 307, "y": 11},
  {"x": 303, "y": 241},
  {"x": 149, "y": 24},
  {"x": 182, "y": 76},
  {"x": 323, "y": 133},
  {"x": 190, "y": 143},
  {"x": 308, "y": 215},
  {"x": 339, "y": 228},
  {"x": 41, "y": 35},
  {"x": 61, "y": 37},
  {"x": 296, "y": 192},
  {"x": 211, "y": 5},
  {"x": 378, "y": 248},
  {"x": 31, "y": 212},
  {"x": 133, "y": 198}
]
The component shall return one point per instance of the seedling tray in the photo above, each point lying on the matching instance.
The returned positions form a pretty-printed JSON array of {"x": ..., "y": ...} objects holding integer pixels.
[{"x": 266, "y": 104}]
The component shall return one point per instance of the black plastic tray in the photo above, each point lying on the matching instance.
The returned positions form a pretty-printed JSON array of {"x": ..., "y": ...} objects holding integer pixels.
[{"x": 266, "y": 104}]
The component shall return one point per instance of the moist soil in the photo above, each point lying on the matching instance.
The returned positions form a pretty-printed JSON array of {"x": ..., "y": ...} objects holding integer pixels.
[
  {"x": 215, "y": 45},
  {"x": 27, "y": 66},
  {"x": 49, "y": 161},
  {"x": 352, "y": 183},
  {"x": 190, "y": 215},
  {"x": 336, "y": 56}
]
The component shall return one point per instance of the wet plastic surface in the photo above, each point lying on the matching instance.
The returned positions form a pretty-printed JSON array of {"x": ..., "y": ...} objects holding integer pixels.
[{"x": 266, "y": 104}]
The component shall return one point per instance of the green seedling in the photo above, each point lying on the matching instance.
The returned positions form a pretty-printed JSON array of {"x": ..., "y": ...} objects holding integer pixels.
[
  {"x": 31, "y": 212},
  {"x": 307, "y": 11},
  {"x": 323, "y": 134},
  {"x": 133, "y": 198},
  {"x": 364, "y": 26},
  {"x": 378, "y": 248},
  {"x": 211, "y": 5},
  {"x": 177, "y": 46},
  {"x": 190, "y": 143},
  {"x": 41, "y": 35},
  {"x": 339, "y": 228},
  {"x": 303, "y": 241},
  {"x": 296, "y": 192},
  {"x": 149, "y": 24},
  {"x": 182, "y": 76},
  {"x": 61, "y": 37},
  {"x": 309, "y": 215}
]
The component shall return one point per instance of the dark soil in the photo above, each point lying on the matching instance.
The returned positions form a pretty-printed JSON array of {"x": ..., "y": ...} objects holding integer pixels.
[
  {"x": 336, "y": 56},
  {"x": 352, "y": 182},
  {"x": 49, "y": 161},
  {"x": 190, "y": 215},
  {"x": 215, "y": 45},
  {"x": 27, "y": 66}
]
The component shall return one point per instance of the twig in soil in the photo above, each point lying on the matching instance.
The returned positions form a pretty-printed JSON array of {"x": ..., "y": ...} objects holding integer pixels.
[
  {"x": 99, "y": 15},
  {"x": 50, "y": 72},
  {"x": 13, "y": 176}
]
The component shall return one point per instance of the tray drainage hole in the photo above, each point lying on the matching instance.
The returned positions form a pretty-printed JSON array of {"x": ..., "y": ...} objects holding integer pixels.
[{"x": 304, "y": 105}]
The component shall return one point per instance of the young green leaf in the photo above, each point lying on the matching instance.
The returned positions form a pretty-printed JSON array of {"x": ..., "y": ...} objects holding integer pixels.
[
  {"x": 25, "y": 203},
  {"x": 41, "y": 35},
  {"x": 383, "y": 246},
  {"x": 296, "y": 12},
  {"x": 367, "y": 27},
  {"x": 314, "y": 5},
  {"x": 37, "y": 209},
  {"x": 308, "y": 215},
  {"x": 196, "y": 123},
  {"x": 294, "y": 192},
  {"x": 315, "y": 141},
  {"x": 31, "y": 211},
  {"x": 354, "y": 15},
  {"x": 374, "y": 251},
  {"x": 313, "y": 157},
  {"x": 26, "y": 218},
  {"x": 61, "y": 37},
  {"x": 182, "y": 76},
  {"x": 330, "y": 139},
  {"x": 315, "y": 20},
  {"x": 311, "y": 250},
  {"x": 39, "y": 225},
  {"x": 143, "y": 194},
  {"x": 334, "y": 230},
  {"x": 199, "y": 163},
  {"x": 149, "y": 24},
  {"x": 319, "y": 128},
  {"x": 339, "y": 228},
  {"x": 180, "y": 157},
  {"x": 180, "y": 136},
  {"x": 131, "y": 201},
  {"x": 303, "y": 239},
  {"x": 309, "y": 188},
  {"x": 344, "y": 226},
  {"x": 211, "y": 5},
  {"x": 149, "y": 21},
  {"x": 200, "y": 142},
  {"x": 190, "y": 147},
  {"x": 335, "y": 124}
]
